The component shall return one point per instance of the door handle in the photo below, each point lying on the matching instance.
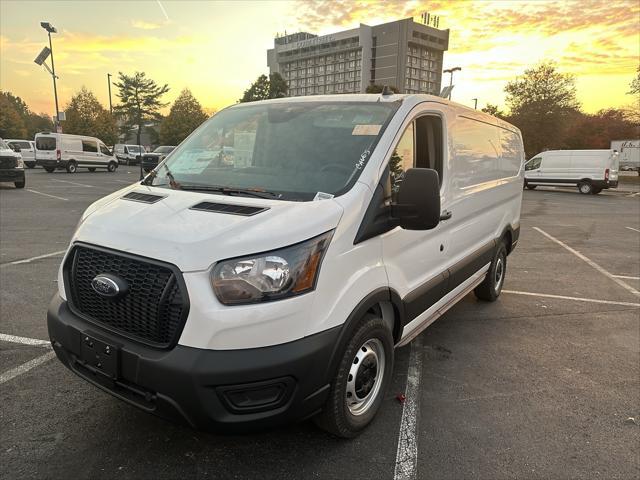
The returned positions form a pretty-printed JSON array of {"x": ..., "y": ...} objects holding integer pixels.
[{"x": 446, "y": 215}]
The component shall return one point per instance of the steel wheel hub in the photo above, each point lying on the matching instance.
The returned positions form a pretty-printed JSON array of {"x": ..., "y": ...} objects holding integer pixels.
[{"x": 365, "y": 377}]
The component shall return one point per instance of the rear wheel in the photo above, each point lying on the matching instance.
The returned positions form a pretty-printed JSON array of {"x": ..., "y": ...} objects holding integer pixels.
[
  {"x": 49, "y": 169},
  {"x": 531, "y": 187},
  {"x": 19, "y": 184},
  {"x": 596, "y": 191},
  {"x": 72, "y": 167},
  {"x": 585, "y": 188},
  {"x": 360, "y": 383},
  {"x": 112, "y": 166},
  {"x": 92, "y": 169},
  {"x": 30, "y": 164},
  {"x": 491, "y": 287}
]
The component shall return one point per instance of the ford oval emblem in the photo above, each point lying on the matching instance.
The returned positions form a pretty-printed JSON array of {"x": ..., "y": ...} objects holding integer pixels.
[{"x": 110, "y": 286}]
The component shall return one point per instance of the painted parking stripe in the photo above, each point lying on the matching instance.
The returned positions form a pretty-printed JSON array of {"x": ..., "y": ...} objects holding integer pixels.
[
  {"x": 47, "y": 195},
  {"x": 74, "y": 183},
  {"x": 634, "y": 229},
  {"x": 624, "y": 285},
  {"x": 29, "y": 260},
  {"x": 578, "y": 299},
  {"x": 407, "y": 453},
  {"x": 25, "y": 367},
  {"x": 627, "y": 277},
  {"x": 34, "y": 342}
]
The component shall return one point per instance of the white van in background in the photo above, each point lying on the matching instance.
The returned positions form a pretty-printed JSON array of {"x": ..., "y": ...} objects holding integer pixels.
[
  {"x": 64, "y": 151},
  {"x": 590, "y": 170},
  {"x": 27, "y": 150},
  {"x": 129, "y": 154},
  {"x": 273, "y": 284},
  {"x": 629, "y": 151}
]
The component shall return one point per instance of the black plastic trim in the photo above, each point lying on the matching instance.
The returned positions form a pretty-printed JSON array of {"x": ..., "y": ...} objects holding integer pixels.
[{"x": 563, "y": 181}]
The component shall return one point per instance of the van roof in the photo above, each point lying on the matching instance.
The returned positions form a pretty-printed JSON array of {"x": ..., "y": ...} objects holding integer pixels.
[{"x": 409, "y": 99}]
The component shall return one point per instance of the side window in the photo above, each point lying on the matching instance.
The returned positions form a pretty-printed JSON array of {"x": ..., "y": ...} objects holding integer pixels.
[
  {"x": 533, "y": 164},
  {"x": 89, "y": 146},
  {"x": 402, "y": 158},
  {"x": 104, "y": 150}
]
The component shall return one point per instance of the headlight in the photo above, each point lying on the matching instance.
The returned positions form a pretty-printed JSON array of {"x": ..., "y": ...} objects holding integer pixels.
[
  {"x": 270, "y": 276},
  {"x": 19, "y": 163}
]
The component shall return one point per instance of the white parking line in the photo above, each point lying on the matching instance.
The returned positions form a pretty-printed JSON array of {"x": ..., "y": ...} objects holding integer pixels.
[
  {"x": 407, "y": 453},
  {"x": 634, "y": 194},
  {"x": 25, "y": 367},
  {"x": 125, "y": 181},
  {"x": 34, "y": 342},
  {"x": 627, "y": 287},
  {"x": 627, "y": 277},
  {"x": 73, "y": 183},
  {"x": 47, "y": 195},
  {"x": 579, "y": 299},
  {"x": 634, "y": 229},
  {"x": 29, "y": 260}
]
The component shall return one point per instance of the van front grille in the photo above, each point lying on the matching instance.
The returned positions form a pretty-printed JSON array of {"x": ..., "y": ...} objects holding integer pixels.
[{"x": 155, "y": 307}]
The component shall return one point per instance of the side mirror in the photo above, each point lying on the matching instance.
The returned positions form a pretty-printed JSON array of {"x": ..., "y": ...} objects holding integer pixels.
[{"x": 418, "y": 206}]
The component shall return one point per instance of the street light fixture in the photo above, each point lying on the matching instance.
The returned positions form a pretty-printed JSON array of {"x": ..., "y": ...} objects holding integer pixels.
[
  {"x": 51, "y": 29},
  {"x": 450, "y": 71},
  {"x": 475, "y": 103}
]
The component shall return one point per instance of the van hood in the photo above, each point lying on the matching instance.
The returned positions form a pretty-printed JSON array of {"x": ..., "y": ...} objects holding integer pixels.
[{"x": 170, "y": 230}]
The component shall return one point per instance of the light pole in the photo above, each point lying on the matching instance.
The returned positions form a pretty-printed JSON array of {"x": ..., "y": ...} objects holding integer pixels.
[
  {"x": 51, "y": 29},
  {"x": 450, "y": 71},
  {"x": 475, "y": 103},
  {"x": 109, "y": 82}
]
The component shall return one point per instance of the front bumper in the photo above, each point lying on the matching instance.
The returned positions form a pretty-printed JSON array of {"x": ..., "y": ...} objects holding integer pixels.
[
  {"x": 207, "y": 389},
  {"x": 12, "y": 175}
]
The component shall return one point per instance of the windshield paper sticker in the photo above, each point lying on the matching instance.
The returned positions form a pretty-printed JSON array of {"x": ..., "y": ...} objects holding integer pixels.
[
  {"x": 366, "y": 130},
  {"x": 363, "y": 159},
  {"x": 322, "y": 196}
]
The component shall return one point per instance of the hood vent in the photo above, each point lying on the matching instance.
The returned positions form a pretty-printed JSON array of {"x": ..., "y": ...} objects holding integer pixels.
[
  {"x": 230, "y": 209},
  {"x": 142, "y": 197}
]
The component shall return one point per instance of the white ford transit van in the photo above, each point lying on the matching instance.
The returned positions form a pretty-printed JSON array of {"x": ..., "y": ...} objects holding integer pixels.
[
  {"x": 590, "y": 170},
  {"x": 273, "y": 284},
  {"x": 64, "y": 151}
]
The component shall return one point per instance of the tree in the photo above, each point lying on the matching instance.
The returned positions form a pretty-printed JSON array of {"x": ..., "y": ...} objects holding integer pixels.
[
  {"x": 86, "y": 116},
  {"x": 265, "y": 87},
  {"x": 140, "y": 100},
  {"x": 598, "y": 130},
  {"x": 375, "y": 88},
  {"x": 493, "y": 110},
  {"x": 635, "y": 85},
  {"x": 540, "y": 102},
  {"x": 185, "y": 116},
  {"x": 11, "y": 122},
  {"x": 38, "y": 123}
]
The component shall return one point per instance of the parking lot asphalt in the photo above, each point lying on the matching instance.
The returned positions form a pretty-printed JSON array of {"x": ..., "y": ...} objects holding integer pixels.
[{"x": 542, "y": 384}]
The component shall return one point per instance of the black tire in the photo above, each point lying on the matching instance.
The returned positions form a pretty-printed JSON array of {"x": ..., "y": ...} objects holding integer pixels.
[
  {"x": 112, "y": 167},
  {"x": 596, "y": 191},
  {"x": 20, "y": 184},
  {"x": 92, "y": 169},
  {"x": 489, "y": 290},
  {"x": 585, "y": 188},
  {"x": 531, "y": 187},
  {"x": 72, "y": 167},
  {"x": 50, "y": 169},
  {"x": 30, "y": 164},
  {"x": 337, "y": 417}
]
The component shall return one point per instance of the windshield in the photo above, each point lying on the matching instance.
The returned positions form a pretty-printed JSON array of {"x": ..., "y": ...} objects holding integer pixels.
[
  {"x": 163, "y": 149},
  {"x": 295, "y": 150},
  {"x": 134, "y": 148}
]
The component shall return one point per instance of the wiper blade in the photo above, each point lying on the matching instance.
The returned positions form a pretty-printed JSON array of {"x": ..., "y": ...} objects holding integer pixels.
[{"x": 231, "y": 190}]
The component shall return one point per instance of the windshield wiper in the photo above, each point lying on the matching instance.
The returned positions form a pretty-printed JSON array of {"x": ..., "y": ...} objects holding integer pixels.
[
  {"x": 172, "y": 181},
  {"x": 230, "y": 190}
]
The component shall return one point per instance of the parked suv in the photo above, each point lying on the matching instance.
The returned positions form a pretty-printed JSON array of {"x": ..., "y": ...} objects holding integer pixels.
[
  {"x": 11, "y": 165},
  {"x": 273, "y": 285},
  {"x": 128, "y": 154},
  {"x": 27, "y": 150},
  {"x": 152, "y": 159}
]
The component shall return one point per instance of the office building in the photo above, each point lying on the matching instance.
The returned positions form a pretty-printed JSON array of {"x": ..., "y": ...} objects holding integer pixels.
[{"x": 404, "y": 54}]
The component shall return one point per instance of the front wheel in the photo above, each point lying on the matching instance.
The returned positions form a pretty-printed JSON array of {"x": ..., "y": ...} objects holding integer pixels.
[
  {"x": 72, "y": 167},
  {"x": 360, "y": 383},
  {"x": 489, "y": 290},
  {"x": 20, "y": 184},
  {"x": 49, "y": 169},
  {"x": 112, "y": 167}
]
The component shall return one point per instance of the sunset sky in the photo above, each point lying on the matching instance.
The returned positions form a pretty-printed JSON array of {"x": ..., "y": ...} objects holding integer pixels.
[{"x": 218, "y": 48}]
